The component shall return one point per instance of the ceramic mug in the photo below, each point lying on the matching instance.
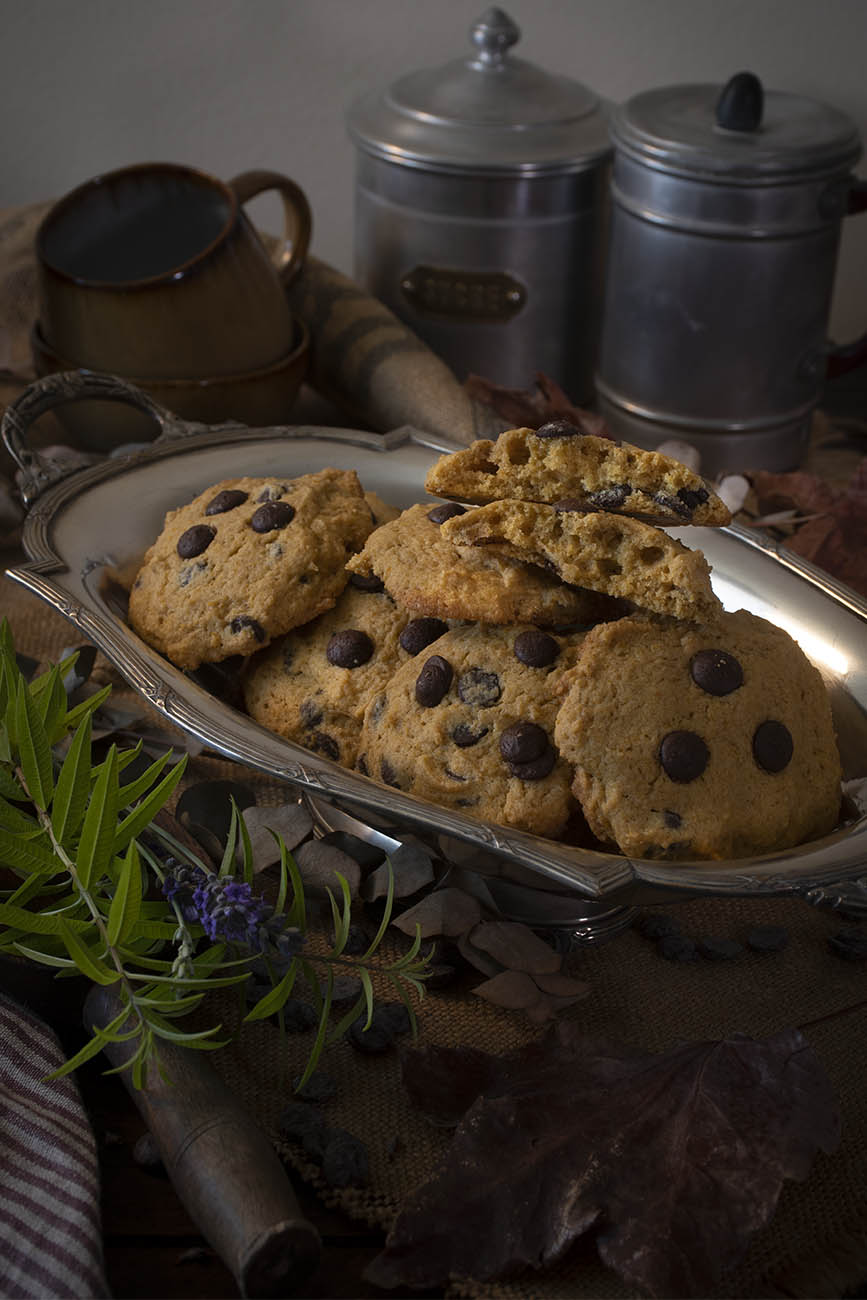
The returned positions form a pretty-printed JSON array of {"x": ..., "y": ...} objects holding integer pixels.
[{"x": 155, "y": 271}]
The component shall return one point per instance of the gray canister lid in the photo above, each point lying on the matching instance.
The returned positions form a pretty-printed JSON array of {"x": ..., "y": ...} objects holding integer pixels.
[
  {"x": 490, "y": 113},
  {"x": 675, "y": 129}
]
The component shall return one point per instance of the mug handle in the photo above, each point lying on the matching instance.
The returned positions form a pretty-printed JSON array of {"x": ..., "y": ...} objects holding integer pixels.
[{"x": 297, "y": 216}]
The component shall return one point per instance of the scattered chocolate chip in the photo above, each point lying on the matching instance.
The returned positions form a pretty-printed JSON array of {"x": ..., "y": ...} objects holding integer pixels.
[
  {"x": 535, "y": 649},
  {"x": 464, "y": 735},
  {"x": 572, "y": 505},
  {"x": 366, "y": 582},
  {"x": 767, "y": 938},
  {"x": 271, "y": 492},
  {"x": 693, "y": 497},
  {"x": 318, "y": 1088},
  {"x": 537, "y": 768},
  {"x": 361, "y": 764},
  {"x": 479, "y": 688},
  {"x": 420, "y": 633},
  {"x": 672, "y": 819},
  {"x": 677, "y": 947},
  {"x": 850, "y": 944},
  {"x": 683, "y": 755},
  {"x": 357, "y": 939},
  {"x": 243, "y": 622},
  {"x": 558, "y": 429},
  {"x": 302, "y": 1124},
  {"x": 611, "y": 497},
  {"x": 454, "y": 776},
  {"x": 394, "y": 1015},
  {"x": 720, "y": 949},
  {"x": 299, "y": 1016},
  {"x": 272, "y": 515},
  {"x": 523, "y": 741},
  {"x": 716, "y": 671},
  {"x": 388, "y": 774},
  {"x": 773, "y": 746},
  {"x": 228, "y": 499},
  {"x": 674, "y": 504},
  {"x": 656, "y": 924},
  {"x": 195, "y": 540},
  {"x": 433, "y": 681},
  {"x": 349, "y": 649},
  {"x": 448, "y": 510},
  {"x": 378, "y": 708},
  {"x": 345, "y": 1163},
  {"x": 321, "y": 743},
  {"x": 372, "y": 1040},
  {"x": 189, "y": 571}
]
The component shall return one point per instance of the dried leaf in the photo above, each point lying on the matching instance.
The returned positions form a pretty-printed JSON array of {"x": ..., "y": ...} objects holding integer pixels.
[
  {"x": 515, "y": 946},
  {"x": 319, "y": 864},
  {"x": 443, "y": 1082},
  {"x": 517, "y": 991},
  {"x": 446, "y": 911},
  {"x": 522, "y": 408},
  {"x": 675, "y": 1159},
  {"x": 411, "y": 869},
  {"x": 291, "y": 821}
]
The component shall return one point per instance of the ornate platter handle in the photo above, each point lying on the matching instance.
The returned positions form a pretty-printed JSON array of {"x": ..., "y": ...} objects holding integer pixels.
[
  {"x": 849, "y": 896},
  {"x": 56, "y": 390}
]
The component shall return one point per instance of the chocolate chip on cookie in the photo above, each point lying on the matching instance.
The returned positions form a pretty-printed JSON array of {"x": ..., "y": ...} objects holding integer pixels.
[
  {"x": 535, "y": 649},
  {"x": 271, "y": 516},
  {"x": 419, "y": 633},
  {"x": 716, "y": 671},
  {"x": 433, "y": 681},
  {"x": 349, "y": 649},
  {"x": 440, "y": 514},
  {"x": 195, "y": 540},
  {"x": 558, "y": 429},
  {"x": 228, "y": 499},
  {"x": 773, "y": 746},
  {"x": 683, "y": 755}
]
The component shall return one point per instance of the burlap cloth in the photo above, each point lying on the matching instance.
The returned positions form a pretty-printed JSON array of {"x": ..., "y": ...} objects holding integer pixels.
[{"x": 816, "y": 1243}]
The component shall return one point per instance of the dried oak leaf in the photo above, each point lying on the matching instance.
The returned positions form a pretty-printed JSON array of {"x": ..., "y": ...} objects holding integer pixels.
[
  {"x": 835, "y": 537},
  {"x": 523, "y": 408},
  {"x": 675, "y": 1160}
]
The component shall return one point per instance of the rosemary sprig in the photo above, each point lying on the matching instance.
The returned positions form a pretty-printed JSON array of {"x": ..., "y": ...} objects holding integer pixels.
[{"x": 92, "y": 885}]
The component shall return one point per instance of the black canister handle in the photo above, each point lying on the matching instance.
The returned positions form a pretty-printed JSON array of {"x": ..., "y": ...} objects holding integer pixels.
[{"x": 741, "y": 103}]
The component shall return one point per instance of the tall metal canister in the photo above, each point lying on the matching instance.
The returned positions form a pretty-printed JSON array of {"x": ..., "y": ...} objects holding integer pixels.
[{"x": 481, "y": 211}]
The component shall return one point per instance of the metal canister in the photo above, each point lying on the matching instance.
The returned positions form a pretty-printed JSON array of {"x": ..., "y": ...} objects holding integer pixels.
[
  {"x": 481, "y": 211},
  {"x": 725, "y": 223}
]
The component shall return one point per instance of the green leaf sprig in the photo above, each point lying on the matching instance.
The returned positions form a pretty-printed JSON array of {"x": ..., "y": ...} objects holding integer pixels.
[{"x": 92, "y": 885}]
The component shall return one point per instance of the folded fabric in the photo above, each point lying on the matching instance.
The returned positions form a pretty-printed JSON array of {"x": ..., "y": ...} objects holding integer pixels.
[{"x": 50, "y": 1227}]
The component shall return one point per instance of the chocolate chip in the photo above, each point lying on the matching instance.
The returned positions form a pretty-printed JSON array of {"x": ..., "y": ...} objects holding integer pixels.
[
  {"x": 454, "y": 776},
  {"x": 611, "y": 497},
  {"x": 572, "y": 505},
  {"x": 656, "y": 924},
  {"x": 693, "y": 497},
  {"x": 523, "y": 741},
  {"x": 773, "y": 746},
  {"x": 270, "y": 492},
  {"x": 321, "y": 743},
  {"x": 464, "y": 736},
  {"x": 716, "y": 671},
  {"x": 767, "y": 938},
  {"x": 274, "y": 514},
  {"x": 244, "y": 622},
  {"x": 366, "y": 582},
  {"x": 195, "y": 540},
  {"x": 537, "y": 768},
  {"x": 720, "y": 949},
  {"x": 420, "y": 632},
  {"x": 535, "y": 649},
  {"x": 378, "y": 708},
  {"x": 228, "y": 499},
  {"x": 674, "y": 504},
  {"x": 479, "y": 688},
  {"x": 558, "y": 429},
  {"x": 310, "y": 712},
  {"x": 672, "y": 820},
  {"x": 677, "y": 947},
  {"x": 448, "y": 510},
  {"x": 388, "y": 774},
  {"x": 349, "y": 649},
  {"x": 683, "y": 755},
  {"x": 433, "y": 681}
]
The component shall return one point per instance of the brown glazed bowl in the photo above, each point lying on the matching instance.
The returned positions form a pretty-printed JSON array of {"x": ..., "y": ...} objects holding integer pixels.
[{"x": 255, "y": 397}]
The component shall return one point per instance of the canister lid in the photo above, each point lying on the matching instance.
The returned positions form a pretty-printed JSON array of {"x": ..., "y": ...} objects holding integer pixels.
[
  {"x": 488, "y": 113},
  {"x": 738, "y": 131}
]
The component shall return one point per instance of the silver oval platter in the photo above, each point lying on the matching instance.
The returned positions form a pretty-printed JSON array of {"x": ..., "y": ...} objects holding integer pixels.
[{"x": 82, "y": 530}]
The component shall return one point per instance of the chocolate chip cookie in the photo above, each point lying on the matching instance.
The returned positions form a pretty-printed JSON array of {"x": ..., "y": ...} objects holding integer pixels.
[
  {"x": 469, "y": 723},
  {"x": 613, "y": 554},
  {"x": 425, "y": 573},
  {"x": 699, "y": 742},
  {"x": 558, "y": 462},
  {"x": 312, "y": 685},
  {"x": 245, "y": 561}
]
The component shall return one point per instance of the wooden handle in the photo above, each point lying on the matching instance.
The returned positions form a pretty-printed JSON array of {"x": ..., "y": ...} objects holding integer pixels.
[{"x": 222, "y": 1165}]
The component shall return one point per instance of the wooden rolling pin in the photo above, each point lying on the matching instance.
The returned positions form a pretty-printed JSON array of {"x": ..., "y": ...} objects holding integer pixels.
[{"x": 222, "y": 1165}]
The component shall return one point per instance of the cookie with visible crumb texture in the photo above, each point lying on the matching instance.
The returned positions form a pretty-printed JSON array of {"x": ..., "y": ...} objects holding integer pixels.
[
  {"x": 558, "y": 462},
  {"x": 699, "y": 742},
  {"x": 425, "y": 573},
  {"x": 611, "y": 554},
  {"x": 245, "y": 561},
  {"x": 469, "y": 725},
  {"x": 313, "y": 684}
]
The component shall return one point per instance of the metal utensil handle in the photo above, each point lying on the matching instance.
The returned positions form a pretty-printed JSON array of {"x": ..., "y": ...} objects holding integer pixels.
[
  {"x": 849, "y": 896},
  {"x": 56, "y": 390},
  {"x": 222, "y": 1165}
]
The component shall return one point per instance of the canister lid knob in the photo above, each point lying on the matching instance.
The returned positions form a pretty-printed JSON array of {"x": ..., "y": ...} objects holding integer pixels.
[
  {"x": 741, "y": 103},
  {"x": 493, "y": 36}
]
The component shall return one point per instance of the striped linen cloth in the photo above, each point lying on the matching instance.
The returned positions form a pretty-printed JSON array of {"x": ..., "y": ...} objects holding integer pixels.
[{"x": 50, "y": 1227}]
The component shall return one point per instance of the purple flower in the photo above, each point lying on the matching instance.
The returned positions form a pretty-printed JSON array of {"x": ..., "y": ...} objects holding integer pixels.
[{"x": 227, "y": 909}]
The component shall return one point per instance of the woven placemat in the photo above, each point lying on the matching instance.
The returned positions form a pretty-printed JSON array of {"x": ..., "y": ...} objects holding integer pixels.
[{"x": 816, "y": 1243}]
